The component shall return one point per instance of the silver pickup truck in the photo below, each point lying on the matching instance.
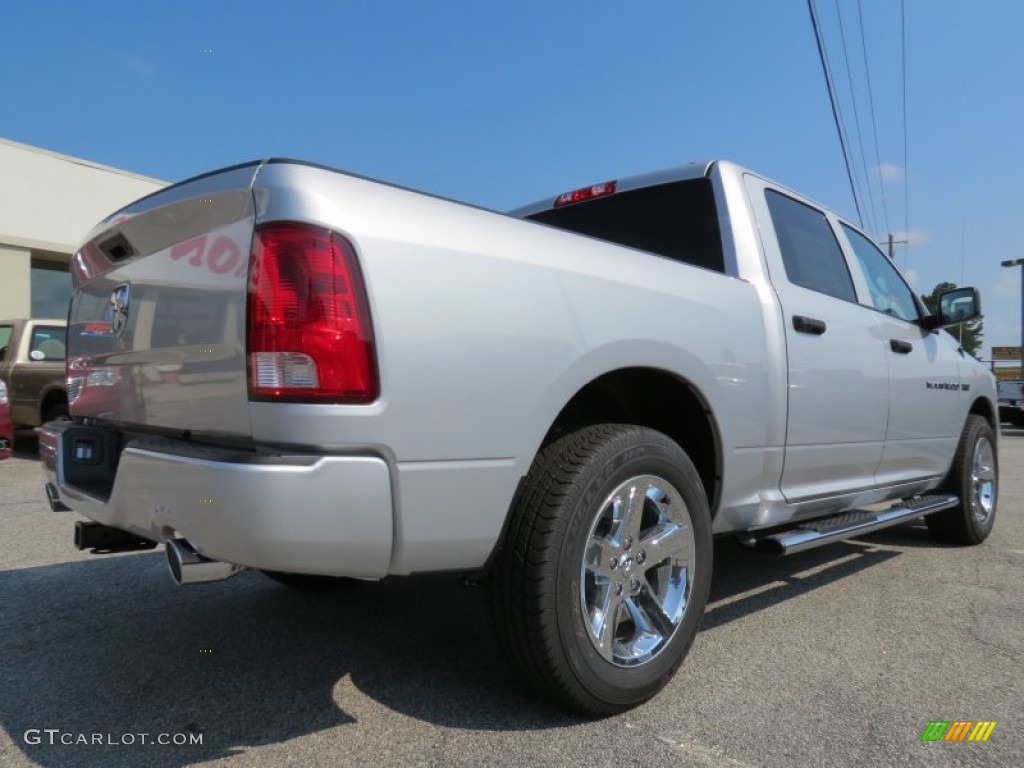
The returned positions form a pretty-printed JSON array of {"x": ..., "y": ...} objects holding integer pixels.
[{"x": 284, "y": 367}]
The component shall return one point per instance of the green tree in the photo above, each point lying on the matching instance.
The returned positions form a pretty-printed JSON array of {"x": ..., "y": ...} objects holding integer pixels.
[{"x": 968, "y": 334}]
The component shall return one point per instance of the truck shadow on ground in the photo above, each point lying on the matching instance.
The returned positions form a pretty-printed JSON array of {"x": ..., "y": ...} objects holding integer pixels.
[
  {"x": 747, "y": 581},
  {"x": 109, "y": 646}
]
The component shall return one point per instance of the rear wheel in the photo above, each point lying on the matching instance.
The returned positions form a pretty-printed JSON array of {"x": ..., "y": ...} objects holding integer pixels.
[
  {"x": 56, "y": 411},
  {"x": 974, "y": 477},
  {"x": 600, "y": 584}
]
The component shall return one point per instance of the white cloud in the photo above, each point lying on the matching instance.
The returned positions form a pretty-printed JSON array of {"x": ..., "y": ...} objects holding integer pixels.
[
  {"x": 913, "y": 237},
  {"x": 913, "y": 278},
  {"x": 889, "y": 172}
]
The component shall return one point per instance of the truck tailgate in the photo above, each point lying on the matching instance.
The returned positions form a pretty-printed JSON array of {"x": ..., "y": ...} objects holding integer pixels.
[{"x": 156, "y": 333}]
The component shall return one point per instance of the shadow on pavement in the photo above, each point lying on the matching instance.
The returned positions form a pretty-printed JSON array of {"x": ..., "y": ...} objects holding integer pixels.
[
  {"x": 26, "y": 444},
  {"x": 771, "y": 580},
  {"x": 109, "y": 646}
]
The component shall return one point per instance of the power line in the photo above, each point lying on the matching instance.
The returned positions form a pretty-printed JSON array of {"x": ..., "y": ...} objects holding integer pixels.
[
  {"x": 856, "y": 120},
  {"x": 906, "y": 159},
  {"x": 874, "y": 123},
  {"x": 835, "y": 106}
]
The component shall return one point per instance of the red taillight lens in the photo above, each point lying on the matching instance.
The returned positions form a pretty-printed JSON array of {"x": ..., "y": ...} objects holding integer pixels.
[
  {"x": 586, "y": 193},
  {"x": 310, "y": 337}
]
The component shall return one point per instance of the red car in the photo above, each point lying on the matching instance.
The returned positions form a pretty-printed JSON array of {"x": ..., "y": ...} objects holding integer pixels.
[{"x": 6, "y": 425}]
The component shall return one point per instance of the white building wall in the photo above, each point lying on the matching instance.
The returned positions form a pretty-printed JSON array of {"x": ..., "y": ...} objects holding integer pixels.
[
  {"x": 15, "y": 296},
  {"x": 48, "y": 204},
  {"x": 51, "y": 201}
]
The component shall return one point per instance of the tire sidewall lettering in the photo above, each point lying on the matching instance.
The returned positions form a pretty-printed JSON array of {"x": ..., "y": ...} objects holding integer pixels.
[
  {"x": 600, "y": 487},
  {"x": 588, "y": 664}
]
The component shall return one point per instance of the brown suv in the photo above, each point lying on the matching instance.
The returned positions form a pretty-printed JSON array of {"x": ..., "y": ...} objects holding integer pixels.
[{"x": 32, "y": 365}]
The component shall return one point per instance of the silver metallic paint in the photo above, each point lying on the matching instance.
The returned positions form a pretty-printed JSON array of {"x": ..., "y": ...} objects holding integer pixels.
[{"x": 486, "y": 326}]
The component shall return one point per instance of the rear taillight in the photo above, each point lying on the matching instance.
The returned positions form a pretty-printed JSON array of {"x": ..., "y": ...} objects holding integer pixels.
[{"x": 309, "y": 335}]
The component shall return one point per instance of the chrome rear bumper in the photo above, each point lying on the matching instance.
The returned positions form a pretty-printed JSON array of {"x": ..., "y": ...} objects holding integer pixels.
[{"x": 328, "y": 515}]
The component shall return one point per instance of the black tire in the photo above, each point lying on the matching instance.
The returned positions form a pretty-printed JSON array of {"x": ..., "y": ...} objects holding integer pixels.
[
  {"x": 974, "y": 477},
  {"x": 57, "y": 411},
  {"x": 562, "y": 532},
  {"x": 309, "y": 582}
]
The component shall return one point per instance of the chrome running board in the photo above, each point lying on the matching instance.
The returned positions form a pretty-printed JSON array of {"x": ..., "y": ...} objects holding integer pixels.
[{"x": 846, "y": 525}]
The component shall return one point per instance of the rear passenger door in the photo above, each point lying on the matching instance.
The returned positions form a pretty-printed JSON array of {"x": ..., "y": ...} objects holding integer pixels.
[{"x": 838, "y": 375}]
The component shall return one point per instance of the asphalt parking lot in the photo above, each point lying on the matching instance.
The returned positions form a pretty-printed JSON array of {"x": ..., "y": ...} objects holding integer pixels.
[{"x": 835, "y": 657}]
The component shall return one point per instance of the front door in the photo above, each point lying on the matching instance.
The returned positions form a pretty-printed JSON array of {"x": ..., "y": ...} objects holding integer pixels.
[{"x": 924, "y": 374}]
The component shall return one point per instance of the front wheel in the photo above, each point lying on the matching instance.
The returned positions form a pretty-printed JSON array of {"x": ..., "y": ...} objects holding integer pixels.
[
  {"x": 600, "y": 584},
  {"x": 974, "y": 477}
]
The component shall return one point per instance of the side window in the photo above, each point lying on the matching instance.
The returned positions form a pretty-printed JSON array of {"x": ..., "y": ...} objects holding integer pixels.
[
  {"x": 810, "y": 251},
  {"x": 889, "y": 293},
  {"x": 47, "y": 344},
  {"x": 5, "y": 339}
]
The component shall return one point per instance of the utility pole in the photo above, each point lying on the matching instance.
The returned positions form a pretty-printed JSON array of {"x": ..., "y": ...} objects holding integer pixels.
[
  {"x": 893, "y": 242},
  {"x": 1019, "y": 263}
]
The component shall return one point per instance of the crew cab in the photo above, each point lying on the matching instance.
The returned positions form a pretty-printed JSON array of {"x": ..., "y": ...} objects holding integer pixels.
[
  {"x": 322, "y": 376},
  {"x": 32, "y": 366}
]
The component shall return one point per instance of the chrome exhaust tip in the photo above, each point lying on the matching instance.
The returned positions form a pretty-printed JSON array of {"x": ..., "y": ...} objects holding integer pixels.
[
  {"x": 53, "y": 497},
  {"x": 189, "y": 567}
]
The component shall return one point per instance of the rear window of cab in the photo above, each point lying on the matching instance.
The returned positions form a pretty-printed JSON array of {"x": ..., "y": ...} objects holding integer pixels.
[{"x": 678, "y": 220}]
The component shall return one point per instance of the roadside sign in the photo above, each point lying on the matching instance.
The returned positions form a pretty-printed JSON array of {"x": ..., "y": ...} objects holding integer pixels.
[
  {"x": 1009, "y": 374},
  {"x": 1007, "y": 353}
]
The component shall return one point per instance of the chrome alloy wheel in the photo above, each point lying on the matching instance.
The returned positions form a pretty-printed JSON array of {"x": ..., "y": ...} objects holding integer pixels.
[
  {"x": 983, "y": 480},
  {"x": 637, "y": 570}
]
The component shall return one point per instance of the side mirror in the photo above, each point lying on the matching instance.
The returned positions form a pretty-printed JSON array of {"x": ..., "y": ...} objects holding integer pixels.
[{"x": 955, "y": 307}]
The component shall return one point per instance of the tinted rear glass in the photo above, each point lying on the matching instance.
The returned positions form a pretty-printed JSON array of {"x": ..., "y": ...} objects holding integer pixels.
[{"x": 678, "y": 220}]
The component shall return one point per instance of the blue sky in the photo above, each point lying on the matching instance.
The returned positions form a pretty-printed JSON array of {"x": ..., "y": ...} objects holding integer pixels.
[{"x": 502, "y": 103}]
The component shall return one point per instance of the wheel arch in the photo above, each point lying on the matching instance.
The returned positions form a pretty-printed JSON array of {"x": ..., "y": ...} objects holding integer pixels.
[
  {"x": 983, "y": 407},
  {"x": 653, "y": 398},
  {"x": 51, "y": 396}
]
